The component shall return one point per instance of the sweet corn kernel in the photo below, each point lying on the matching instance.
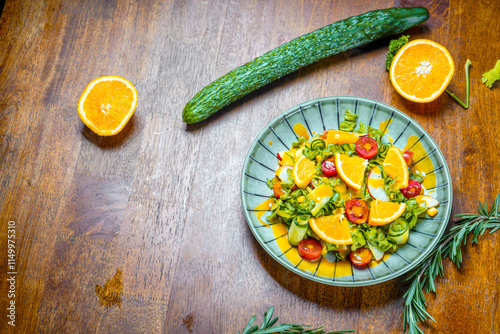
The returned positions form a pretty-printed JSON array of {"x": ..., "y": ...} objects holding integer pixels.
[
  {"x": 318, "y": 158},
  {"x": 301, "y": 199},
  {"x": 432, "y": 212}
]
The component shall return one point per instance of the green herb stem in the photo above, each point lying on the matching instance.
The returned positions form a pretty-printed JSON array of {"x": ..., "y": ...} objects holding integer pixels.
[{"x": 466, "y": 104}]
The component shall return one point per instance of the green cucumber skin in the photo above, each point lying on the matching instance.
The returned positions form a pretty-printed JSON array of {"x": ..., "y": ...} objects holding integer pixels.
[{"x": 302, "y": 51}]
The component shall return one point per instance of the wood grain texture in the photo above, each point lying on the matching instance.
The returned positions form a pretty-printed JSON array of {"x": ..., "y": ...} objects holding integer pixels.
[{"x": 160, "y": 201}]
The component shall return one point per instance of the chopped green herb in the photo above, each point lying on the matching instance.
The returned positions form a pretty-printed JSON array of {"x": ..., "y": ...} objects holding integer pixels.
[
  {"x": 492, "y": 75},
  {"x": 268, "y": 327},
  {"x": 394, "y": 47},
  {"x": 349, "y": 122}
]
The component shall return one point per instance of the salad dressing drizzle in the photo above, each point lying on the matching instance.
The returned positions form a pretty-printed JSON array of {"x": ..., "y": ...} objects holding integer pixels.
[
  {"x": 384, "y": 126},
  {"x": 262, "y": 208},
  {"x": 424, "y": 166},
  {"x": 329, "y": 267},
  {"x": 301, "y": 130}
]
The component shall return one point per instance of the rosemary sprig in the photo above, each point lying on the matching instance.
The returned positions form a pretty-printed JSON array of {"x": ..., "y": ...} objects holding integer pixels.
[
  {"x": 424, "y": 275},
  {"x": 267, "y": 327},
  {"x": 466, "y": 104}
]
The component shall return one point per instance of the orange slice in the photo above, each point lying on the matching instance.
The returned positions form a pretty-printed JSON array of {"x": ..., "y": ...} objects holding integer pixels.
[
  {"x": 303, "y": 172},
  {"x": 382, "y": 212},
  {"x": 333, "y": 229},
  {"x": 421, "y": 70},
  {"x": 107, "y": 103},
  {"x": 286, "y": 160},
  {"x": 351, "y": 169},
  {"x": 341, "y": 137},
  {"x": 395, "y": 166},
  {"x": 320, "y": 193}
]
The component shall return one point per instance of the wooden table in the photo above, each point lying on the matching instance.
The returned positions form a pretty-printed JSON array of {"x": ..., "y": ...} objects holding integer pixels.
[{"x": 161, "y": 200}]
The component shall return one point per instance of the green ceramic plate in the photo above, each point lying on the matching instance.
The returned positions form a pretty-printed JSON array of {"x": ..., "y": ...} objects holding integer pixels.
[{"x": 327, "y": 113}]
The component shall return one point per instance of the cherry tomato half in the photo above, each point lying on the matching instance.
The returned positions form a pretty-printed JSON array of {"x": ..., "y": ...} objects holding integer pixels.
[
  {"x": 309, "y": 249},
  {"x": 414, "y": 188},
  {"x": 366, "y": 147},
  {"x": 356, "y": 211},
  {"x": 360, "y": 256},
  {"x": 408, "y": 156},
  {"x": 328, "y": 167},
  {"x": 324, "y": 135},
  {"x": 278, "y": 190}
]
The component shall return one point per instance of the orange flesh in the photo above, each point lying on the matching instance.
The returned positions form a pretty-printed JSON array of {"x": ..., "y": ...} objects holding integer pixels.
[
  {"x": 334, "y": 226},
  {"x": 422, "y": 70},
  {"x": 382, "y": 213},
  {"x": 303, "y": 172},
  {"x": 107, "y": 104},
  {"x": 351, "y": 169},
  {"x": 321, "y": 192},
  {"x": 341, "y": 137}
]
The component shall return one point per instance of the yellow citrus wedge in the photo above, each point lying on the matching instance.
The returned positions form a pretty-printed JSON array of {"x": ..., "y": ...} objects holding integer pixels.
[
  {"x": 341, "y": 137},
  {"x": 320, "y": 193},
  {"x": 303, "y": 172},
  {"x": 382, "y": 212},
  {"x": 395, "y": 166},
  {"x": 333, "y": 229},
  {"x": 421, "y": 70},
  {"x": 351, "y": 169},
  {"x": 107, "y": 103}
]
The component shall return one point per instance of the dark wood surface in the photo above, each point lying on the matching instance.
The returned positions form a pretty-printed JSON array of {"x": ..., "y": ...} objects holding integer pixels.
[{"x": 161, "y": 200}]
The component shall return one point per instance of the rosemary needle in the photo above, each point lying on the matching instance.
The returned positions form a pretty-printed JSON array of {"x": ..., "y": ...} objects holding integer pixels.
[
  {"x": 267, "y": 327},
  {"x": 424, "y": 275}
]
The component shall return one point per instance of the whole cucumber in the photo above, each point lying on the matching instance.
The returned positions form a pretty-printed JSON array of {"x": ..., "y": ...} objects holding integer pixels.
[{"x": 302, "y": 51}]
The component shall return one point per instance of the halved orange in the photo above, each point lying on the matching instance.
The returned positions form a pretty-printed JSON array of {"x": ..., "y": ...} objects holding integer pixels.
[
  {"x": 421, "y": 70},
  {"x": 107, "y": 103},
  {"x": 382, "y": 212},
  {"x": 395, "y": 166},
  {"x": 351, "y": 169},
  {"x": 303, "y": 172},
  {"x": 333, "y": 229}
]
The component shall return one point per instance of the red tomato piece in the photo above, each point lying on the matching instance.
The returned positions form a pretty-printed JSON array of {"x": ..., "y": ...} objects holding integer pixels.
[
  {"x": 366, "y": 147},
  {"x": 408, "y": 156},
  {"x": 309, "y": 249},
  {"x": 414, "y": 188},
  {"x": 324, "y": 135},
  {"x": 360, "y": 256},
  {"x": 278, "y": 190},
  {"x": 328, "y": 166},
  {"x": 356, "y": 211}
]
